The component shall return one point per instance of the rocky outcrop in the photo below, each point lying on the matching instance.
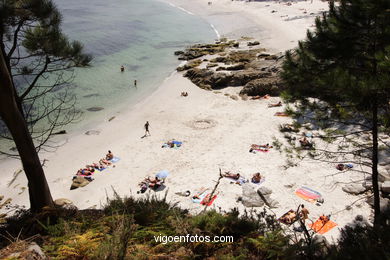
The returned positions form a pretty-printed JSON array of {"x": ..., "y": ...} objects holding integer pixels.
[
  {"x": 200, "y": 50},
  {"x": 253, "y": 43},
  {"x": 208, "y": 79},
  {"x": 262, "y": 86}
]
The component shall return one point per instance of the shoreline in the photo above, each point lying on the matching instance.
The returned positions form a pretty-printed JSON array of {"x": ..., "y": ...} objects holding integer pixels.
[{"x": 231, "y": 126}]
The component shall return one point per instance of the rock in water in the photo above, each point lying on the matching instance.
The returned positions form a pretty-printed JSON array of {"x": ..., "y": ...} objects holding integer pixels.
[
  {"x": 92, "y": 132},
  {"x": 94, "y": 109}
]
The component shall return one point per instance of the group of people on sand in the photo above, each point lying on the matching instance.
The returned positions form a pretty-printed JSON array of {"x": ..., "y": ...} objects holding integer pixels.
[
  {"x": 291, "y": 216},
  {"x": 90, "y": 168},
  {"x": 152, "y": 183},
  {"x": 256, "y": 178}
]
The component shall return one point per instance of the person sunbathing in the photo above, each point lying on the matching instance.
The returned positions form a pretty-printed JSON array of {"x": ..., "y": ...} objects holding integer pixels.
[
  {"x": 104, "y": 162},
  {"x": 85, "y": 171},
  {"x": 289, "y": 218},
  {"x": 153, "y": 183},
  {"x": 234, "y": 176},
  {"x": 279, "y": 104},
  {"x": 324, "y": 219},
  {"x": 109, "y": 155},
  {"x": 95, "y": 166},
  {"x": 256, "y": 177},
  {"x": 305, "y": 143},
  {"x": 265, "y": 146}
]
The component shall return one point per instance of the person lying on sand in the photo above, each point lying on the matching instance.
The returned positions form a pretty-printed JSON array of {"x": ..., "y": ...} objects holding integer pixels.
[
  {"x": 289, "y": 218},
  {"x": 256, "y": 177},
  {"x": 279, "y": 104},
  {"x": 85, "y": 171},
  {"x": 95, "y": 166},
  {"x": 153, "y": 183},
  {"x": 105, "y": 162},
  {"x": 304, "y": 142},
  {"x": 324, "y": 219},
  {"x": 266, "y": 96},
  {"x": 109, "y": 155},
  {"x": 200, "y": 192},
  {"x": 234, "y": 176}
]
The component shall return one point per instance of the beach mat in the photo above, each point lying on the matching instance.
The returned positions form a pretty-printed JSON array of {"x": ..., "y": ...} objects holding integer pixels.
[
  {"x": 284, "y": 215},
  {"x": 115, "y": 159},
  {"x": 319, "y": 228},
  {"x": 308, "y": 194},
  {"x": 208, "y": 202}
]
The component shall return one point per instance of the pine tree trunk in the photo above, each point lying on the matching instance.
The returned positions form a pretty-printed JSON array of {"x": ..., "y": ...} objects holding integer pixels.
[
  {"x": 38, "y": 188},
  {"x": 375, "y": 185}
]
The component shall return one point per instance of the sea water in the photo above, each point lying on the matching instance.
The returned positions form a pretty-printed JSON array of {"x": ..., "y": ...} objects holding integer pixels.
[{"x": 140, "y": 35}]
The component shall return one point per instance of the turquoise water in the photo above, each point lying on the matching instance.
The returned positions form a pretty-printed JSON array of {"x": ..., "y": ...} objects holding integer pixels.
[{"x": 141, "y": 35}]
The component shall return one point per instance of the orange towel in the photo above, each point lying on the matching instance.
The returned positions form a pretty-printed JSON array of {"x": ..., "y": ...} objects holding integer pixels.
[
  {"x": 207, "y": 201},
  {"x": 280, "y": 114},
  {"x": 320, "y": 228}
]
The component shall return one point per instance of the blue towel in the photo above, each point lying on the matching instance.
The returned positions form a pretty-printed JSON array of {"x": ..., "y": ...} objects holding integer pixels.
[{"x": 115, "y": 159}]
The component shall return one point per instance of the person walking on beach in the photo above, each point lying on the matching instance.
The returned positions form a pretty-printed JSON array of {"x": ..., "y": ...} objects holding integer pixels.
[
  {"x": 147, "y": 128},
  {"x": 135, "y": 83},
  {"x": 122, "y": 68},
  {"x": 304, "y": 213}
]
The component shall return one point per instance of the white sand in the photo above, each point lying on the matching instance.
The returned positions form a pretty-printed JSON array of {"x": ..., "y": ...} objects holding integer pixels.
[{"x": 236, "y": 125}]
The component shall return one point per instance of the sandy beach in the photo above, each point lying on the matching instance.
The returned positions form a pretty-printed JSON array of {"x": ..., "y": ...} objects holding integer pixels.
[{"x": 216, "y": 132}]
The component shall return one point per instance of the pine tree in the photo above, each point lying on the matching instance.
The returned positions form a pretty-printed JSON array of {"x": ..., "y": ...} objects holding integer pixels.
[
  {"x": 33, "y": 48},
  {"x": 344, "y": 63}
]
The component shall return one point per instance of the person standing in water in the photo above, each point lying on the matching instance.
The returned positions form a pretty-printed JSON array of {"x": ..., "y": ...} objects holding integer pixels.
[
  {"x": 122, "y": 68},
  {"x": 135, "y": 83},
  {"x": 147, "y": 128}
]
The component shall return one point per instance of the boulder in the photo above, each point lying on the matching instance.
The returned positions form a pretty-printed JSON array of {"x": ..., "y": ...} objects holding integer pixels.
[
  {"x": 78, "y": 182},
  {"x": 62, "y": 201},
  {"x": 384, "y": 203},
  {"x": 253, "y": 43},
  {"x": 383, "y": 175},
  {"x": 386, "y": 187},
  {"x": 250, "y": 198},
  {"x": 262, "y": 86},
  {"x": 95, "y": 109},
  {"x": 354, "y": 188},
  {"x": 92, "y": 132},
  {"x": 264, "y": 190}
]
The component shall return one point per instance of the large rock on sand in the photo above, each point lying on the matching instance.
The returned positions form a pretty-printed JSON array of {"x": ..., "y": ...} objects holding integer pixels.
[
  {"x": 354, "y": 188},
  {"x": 259, "y": 87},
  {"x": 384, "y": 203},
  {"x": 250, "y": 198},
  {"x": 78, "y": 182}
]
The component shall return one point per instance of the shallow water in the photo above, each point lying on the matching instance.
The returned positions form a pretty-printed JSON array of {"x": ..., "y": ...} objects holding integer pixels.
[{"x": 141, "y": 35}]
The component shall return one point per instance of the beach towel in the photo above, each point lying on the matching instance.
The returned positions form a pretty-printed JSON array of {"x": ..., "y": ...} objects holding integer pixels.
[
  {"x": 115, "y": 159},
  {"x": 308, "y": 194},
  {"x": 200, "y": 197},
  {"x": 320, "y": 228},
  {"x": 283, "y": 220},
  {"x": 207, "y": 201},
  {"x": 259, "y": 148},
  {"x": 100, "y": 169},
  {"x": 280, "y": 114}
]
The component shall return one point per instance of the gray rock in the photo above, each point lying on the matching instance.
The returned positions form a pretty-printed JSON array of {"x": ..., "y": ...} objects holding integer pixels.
[
  {"x": 264, "y": 190},
  {"x": 354, "y": 189},
  {"x": 320, "y": 239},
  {"x": 386, "y": 187},
  {"x": 95, "y": 109},
  {"x": 383, "y": 175},
  {"x": 253, "y": 43},
  {"x": 92, "y": 132},
  {"x": 250, "y": 198},
  {"x": 384, "y": 203}
]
